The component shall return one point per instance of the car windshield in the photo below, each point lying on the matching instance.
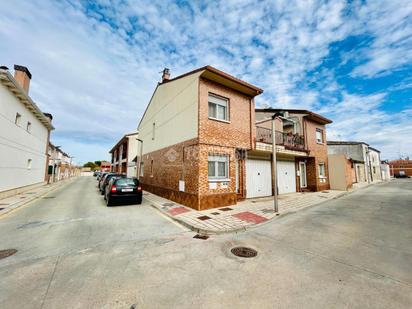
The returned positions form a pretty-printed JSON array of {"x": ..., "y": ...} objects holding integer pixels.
[{"x": 123, "y": 182}]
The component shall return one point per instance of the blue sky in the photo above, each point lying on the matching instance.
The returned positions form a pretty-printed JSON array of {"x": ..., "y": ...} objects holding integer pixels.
[{"x": 95, "y": 65}]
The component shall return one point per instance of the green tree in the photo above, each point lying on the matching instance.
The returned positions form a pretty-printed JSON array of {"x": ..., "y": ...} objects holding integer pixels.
[
  {"x": 92, "y": 165},
  {"x": 98, "y": 163}
]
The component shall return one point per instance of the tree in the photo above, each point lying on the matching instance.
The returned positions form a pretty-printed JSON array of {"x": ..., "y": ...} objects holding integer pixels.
[
  {"x": 92, "y": 165},
  {"x": 98, "y": 163}
]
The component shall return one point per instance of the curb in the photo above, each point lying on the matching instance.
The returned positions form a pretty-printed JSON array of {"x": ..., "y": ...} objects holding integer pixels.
[
  {"x": 202, "y": 231},
  {"x": 18, "y": 204}
]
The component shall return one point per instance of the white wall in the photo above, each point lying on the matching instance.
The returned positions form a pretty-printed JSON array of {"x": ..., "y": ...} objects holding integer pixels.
[
  {"x": 174, "y": 110},
  {"x": 131, "y": 154},
  {"x": 17, "y": 146}
]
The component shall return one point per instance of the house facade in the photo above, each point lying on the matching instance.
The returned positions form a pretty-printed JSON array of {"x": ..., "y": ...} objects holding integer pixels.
[
  {"x": 301, "y": 151},
  {"x": 60, "y": 164},
  {"x": 401, "y": 167},
  {"x": 195, "y": 134},
  {"x": 365, "y": 159},
  {"x": 24, "y": 134},
  {"x": 124, "y": 155},
  {"x": 203, "y": 147},
  {"x": 105, "y": 166}
]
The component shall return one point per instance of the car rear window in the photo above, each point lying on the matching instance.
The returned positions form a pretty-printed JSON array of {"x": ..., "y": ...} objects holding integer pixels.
[{"x": 127, "y": 182}]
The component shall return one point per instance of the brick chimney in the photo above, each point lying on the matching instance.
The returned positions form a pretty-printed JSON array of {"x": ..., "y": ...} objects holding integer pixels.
[
  {"x": 165, "y": 75},
  {"x": 23, "y": 76}
]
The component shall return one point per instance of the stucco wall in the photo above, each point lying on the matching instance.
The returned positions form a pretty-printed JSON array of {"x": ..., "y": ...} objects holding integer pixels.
[
  {"x": 340, "y": 172},
  {"x": 174, "y": 110},
  {"x": 17, "y": 145}
]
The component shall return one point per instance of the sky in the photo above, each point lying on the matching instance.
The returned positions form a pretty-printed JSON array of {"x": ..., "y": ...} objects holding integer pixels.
[{"x": 96, "y": 64}]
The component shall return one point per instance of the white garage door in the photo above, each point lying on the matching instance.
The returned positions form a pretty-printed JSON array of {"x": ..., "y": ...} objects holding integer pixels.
[
  {"x": 286, "y": 176},
  {"x": 258, "y": 178}
]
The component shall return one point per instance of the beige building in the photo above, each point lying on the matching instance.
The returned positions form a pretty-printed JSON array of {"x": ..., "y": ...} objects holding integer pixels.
[{"x": 124, "y": 155}]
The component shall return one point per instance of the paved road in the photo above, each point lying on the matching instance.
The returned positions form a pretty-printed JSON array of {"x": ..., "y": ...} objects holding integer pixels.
[{"x": 353, "y": 252}]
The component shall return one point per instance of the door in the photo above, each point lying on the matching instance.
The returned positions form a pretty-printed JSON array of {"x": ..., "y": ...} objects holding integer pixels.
[
  {"x": 258, "y": 178},
  {"x": 286, "y": 175},
  {"x": 302, "y": 170}
]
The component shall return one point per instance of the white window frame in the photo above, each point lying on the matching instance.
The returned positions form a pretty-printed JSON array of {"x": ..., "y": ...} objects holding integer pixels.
[
  {"x": 216, "y": 159},
  {"x": 219, "y": 103},
  {"x": 324, "y": 170},
  {"x": 320, "y": 131}
]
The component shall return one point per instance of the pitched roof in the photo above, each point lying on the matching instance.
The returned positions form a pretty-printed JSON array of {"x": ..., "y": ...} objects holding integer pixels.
[
  {"x": 309, "y": 114},
  {"x": 345, "y": 143},
  {"x": 123, "y": 139},
  {"x": 8, "y": 81}
]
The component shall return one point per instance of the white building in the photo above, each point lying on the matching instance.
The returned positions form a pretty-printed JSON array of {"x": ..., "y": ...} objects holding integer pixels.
[
  {"x": 124, "y": 155},
  {"x": 60, "y": 164},
  {"x": 24, "y": 134}
]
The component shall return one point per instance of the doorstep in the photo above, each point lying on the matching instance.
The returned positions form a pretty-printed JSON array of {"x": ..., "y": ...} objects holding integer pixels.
[{"x": 240, "y": 217}]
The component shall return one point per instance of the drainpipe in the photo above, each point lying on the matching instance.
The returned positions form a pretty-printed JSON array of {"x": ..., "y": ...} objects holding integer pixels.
[{"x": 140, "y": 159}]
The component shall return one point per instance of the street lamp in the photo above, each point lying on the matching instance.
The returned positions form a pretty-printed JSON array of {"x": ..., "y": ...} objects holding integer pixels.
[{"x": 275, "y": 190}]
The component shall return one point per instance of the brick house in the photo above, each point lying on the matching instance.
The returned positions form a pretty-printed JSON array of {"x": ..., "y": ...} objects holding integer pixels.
[
  {"x": 302, "y": 158},
  {"x": 196, "y": 130},
  {"x": 401, "y": 167},
  {"x": 124, "y": 155}
]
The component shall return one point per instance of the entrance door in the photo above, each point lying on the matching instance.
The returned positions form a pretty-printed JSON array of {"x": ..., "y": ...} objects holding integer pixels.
[
  {"x": 302, "y": 170},
  {"x": 286, "y": 175},
  {"x": 258, "y": 178}
]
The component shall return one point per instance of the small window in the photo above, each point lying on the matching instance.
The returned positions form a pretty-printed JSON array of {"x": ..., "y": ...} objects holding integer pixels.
[
  {"x": 141, "y": 169},
  {"x": 153, "y": 131},
  {"x": 218, "y": 167},
  {"x": 374, "y": 170},
  {"x": 151, "y": 168},
  {"x": 319, "y": 136},
  {"x": 18, "y": 119},
  {"x": 28, "y": 128},
  {"x": 322, "y": 173},
  {"x": 218, "y": 108},
  {"x": 29, "y": 164}
]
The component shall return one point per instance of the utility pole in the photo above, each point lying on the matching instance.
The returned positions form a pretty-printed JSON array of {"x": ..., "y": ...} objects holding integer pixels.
[{"x": 274, "y": 168}]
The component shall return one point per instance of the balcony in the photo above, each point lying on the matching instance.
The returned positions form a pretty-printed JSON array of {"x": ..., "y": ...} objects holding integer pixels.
[{"x": 288, "y": 140}]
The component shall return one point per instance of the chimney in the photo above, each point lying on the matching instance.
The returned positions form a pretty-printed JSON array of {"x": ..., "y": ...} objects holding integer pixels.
[
  {"x": 50, "y": 116},
  {"x": 165, "y": 75},
  {"x": 23, "y": 76}
]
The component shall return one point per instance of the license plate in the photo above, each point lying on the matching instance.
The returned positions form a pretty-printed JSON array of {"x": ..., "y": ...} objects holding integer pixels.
[{"x": 127, "y": 190}]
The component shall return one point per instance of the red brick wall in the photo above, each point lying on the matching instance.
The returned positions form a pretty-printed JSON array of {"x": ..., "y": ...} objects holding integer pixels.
[{"x": 318, "y": 153}]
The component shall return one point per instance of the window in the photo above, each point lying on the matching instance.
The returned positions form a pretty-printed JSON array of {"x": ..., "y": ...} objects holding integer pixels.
[
  {"x": 218, "y": 108},
  {"x": 319, "y": 136},
  {"x": 218, "y": 167},
  {"x": 374, "y": 170},
  {"x": 322, "y": 173},
  {"x": 28, "y": 128},
  {"x": 153, "y": 131},
  {"x": 151, "y": 168},
  {"x": 18, "y": 119},
  {"x": 29, "y": 164}
]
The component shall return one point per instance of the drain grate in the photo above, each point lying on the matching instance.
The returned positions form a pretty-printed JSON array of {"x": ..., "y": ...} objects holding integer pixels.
[
  {"x": 226, "y": 209},
  {"x": 47, "y": 197},
  {"x": 215, "y": 213},
  {"x": 203, "y": 237},
  {"x": 203, "y": 218},
  {"x": 7, "y": 253},
  {"x": 244, "y": 252}
]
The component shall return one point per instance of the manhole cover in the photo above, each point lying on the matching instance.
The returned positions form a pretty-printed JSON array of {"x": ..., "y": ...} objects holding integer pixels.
[
  {"x": 7, "y": 253},
  {"x": 244, "y": 252}
]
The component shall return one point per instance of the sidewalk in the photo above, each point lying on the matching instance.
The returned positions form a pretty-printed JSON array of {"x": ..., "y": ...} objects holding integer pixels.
[
  {"x": 240, "y": 217},
  {"x": 9, "y": 204}
]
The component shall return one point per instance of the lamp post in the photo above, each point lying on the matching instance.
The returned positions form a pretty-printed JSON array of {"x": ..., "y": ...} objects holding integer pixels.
[{"x": 275, "y": 190}]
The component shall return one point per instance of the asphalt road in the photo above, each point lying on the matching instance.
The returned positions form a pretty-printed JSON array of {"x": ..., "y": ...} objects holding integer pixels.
[{"x": 353, "y": 252}]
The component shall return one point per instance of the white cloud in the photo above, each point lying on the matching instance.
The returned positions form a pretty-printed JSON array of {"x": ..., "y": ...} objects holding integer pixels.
[{"x": 96, "y": 70}]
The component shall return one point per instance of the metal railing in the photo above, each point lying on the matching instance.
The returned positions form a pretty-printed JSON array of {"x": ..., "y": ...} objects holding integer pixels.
[{"x": 288, "y": 140}]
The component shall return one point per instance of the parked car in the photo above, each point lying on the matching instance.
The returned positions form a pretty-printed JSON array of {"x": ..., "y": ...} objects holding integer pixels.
[
  {"x": 401, "y": 175},
  {"x": 100, "y": 178},
  {"x": 96, "y": 173},
  {"x": 105, "y": 181},
  {"x": 123, "y": 189}
]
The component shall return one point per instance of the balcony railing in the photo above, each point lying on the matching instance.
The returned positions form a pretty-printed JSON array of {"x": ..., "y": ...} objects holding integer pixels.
[{"x": 288, "y": 140}]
